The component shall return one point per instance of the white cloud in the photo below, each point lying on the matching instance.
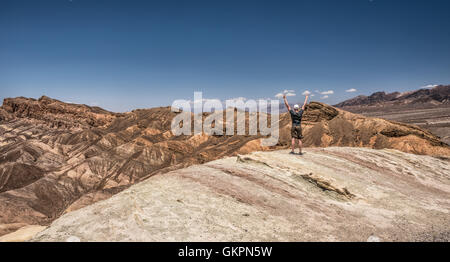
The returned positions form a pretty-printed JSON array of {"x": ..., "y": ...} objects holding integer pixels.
[
  {"x": 351, "y": 90},
  {"x": 280, "y": 95},
  {"x": 429, "y": 86},
  {"x": 306, "y": 93},
  {"x": 324, "y": 97},
  {"x": 238, "y": 99},
  {"x": 330, "y": 92}
]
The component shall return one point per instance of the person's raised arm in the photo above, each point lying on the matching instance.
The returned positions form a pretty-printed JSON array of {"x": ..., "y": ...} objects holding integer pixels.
[
  {"x": 304, "y": 104},
  {"x": 286, "y": 103}
]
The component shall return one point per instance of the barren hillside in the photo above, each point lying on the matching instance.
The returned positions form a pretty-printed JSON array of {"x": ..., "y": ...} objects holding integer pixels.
[
  {"x": 57, "y": 157},
  {"x": 331, "y": 194}
]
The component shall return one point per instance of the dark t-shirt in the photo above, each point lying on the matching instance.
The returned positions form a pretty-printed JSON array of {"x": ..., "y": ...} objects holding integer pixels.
[{"x": 296, "y": 117}]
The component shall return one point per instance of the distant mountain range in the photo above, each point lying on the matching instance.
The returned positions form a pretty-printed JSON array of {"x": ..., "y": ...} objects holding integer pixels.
[{"x": 429, "y": 96}]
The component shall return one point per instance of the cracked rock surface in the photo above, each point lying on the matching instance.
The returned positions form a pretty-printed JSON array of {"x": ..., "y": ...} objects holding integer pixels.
[{"x": 328, "y": 194}]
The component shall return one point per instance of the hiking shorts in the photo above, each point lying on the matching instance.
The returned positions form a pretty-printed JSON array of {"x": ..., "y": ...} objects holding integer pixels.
[{"x": 296, "y": 132}]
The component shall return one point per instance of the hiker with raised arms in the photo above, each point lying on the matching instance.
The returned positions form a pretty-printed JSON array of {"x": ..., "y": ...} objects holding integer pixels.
[{"x": 296, "y": 130}]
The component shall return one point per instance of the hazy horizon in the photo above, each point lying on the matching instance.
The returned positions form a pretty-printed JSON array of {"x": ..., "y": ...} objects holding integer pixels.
[
  {"x": 291, "y": 100},
  {"x": 124, "y": 55}
]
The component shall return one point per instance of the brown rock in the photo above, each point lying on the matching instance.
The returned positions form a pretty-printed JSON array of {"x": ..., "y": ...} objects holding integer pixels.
[
  {"x": 328, "y": 194},
  {"x": 57, "y": 157}
]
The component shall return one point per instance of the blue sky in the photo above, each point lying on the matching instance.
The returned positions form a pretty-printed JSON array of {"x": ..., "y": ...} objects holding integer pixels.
[{"x": 123, "y": 55}]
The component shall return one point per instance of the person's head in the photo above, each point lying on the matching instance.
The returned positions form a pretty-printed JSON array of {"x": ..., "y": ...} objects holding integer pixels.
[{"x": 296, "y": 107}]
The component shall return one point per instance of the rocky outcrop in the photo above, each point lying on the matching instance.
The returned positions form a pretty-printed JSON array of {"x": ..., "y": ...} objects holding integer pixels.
[
  {"x": 437, "y": 95},
  {"x": 23, "y": 234},
  {"x": 325, "y": 126},
  {"x": 428, "y": 109},
  {"x": 56, "y": 113},
  {"x": 328, "y": 194},
  {"x": 373, "y": 99},
  {"x": 56, "y": 158}
]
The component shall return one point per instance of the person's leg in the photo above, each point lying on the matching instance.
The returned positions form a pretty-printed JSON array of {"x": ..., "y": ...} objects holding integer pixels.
[
  {"x": 300, "y": 144},
  {"x": 293, "y": 134}
]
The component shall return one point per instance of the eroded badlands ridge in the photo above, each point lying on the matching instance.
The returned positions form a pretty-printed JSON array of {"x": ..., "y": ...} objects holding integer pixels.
[
  {"x": 439, "y": 95},
  {"x": 57, "y": 157},
  {"x": 331, "y": 194}
]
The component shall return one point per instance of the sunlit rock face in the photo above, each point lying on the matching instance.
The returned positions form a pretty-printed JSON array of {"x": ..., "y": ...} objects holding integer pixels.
[
  {"x": 58, "y": 157},
  {"x": 328, "y": 194}
]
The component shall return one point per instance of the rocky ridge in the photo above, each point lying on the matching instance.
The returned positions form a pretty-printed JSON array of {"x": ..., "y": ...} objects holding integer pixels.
[
  {"x": 435, "y": 96},
  {"x": 328, "y": 194},
  {"x": 56, "y": 157}
]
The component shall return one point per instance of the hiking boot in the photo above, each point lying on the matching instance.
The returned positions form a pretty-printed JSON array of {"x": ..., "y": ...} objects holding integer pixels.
[{"x": 292, "y": 153}]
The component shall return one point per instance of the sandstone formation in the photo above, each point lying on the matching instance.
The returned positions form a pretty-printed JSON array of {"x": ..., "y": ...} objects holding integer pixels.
[
  {"x": 325, "y": 126},
  {"x": 331, "y": 194},
  {"x": 57, "y": 157},
  {"x": 23, "y": 234},
  {"x": 55, "y": 113},
  {"x": 428, "y": 109},
  {"x": 435, "y": 96}
]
